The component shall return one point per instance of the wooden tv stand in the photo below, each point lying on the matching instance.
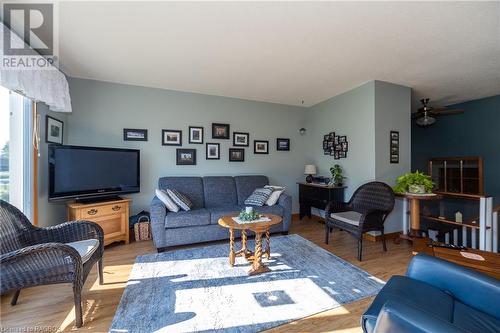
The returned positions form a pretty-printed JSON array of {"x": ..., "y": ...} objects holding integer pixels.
[{"x": 112, "y": 216}]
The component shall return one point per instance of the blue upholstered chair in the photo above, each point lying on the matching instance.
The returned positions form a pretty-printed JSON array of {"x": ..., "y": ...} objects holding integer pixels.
[{"x": 435, "y": 296}]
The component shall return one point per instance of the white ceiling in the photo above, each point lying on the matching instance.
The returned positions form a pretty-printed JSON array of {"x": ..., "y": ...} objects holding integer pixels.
[{"x": 286, "y": 52}]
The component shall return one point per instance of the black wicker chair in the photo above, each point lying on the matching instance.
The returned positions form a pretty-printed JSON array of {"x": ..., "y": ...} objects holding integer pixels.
[
  {"x": 366, "y": 211},
  {"x": 32, "y": 256}
]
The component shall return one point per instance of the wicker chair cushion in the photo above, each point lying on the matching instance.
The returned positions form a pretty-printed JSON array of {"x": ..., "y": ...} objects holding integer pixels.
[
  {"x": 85, "y": 248},
  {"x": 350, "y": 217}
]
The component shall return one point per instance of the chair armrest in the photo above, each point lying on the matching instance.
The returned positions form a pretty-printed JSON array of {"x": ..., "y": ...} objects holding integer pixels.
[
  {"x": 22, "y": 268},
  {"x": 469, "y": 287},
  {"x": 336, "y": 207},
  {"x": 285, "y": 201},
  {"x": 397, "y": 317},
  {"x": 69, "y": 232},
  {"x": 372, "y": 218}
]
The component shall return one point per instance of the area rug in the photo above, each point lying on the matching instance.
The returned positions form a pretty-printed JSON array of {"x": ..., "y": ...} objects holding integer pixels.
[{"x": 195, "y": 290}]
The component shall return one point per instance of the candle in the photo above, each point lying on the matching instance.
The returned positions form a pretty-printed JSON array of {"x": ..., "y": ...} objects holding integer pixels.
[{"x": 248, "y": 210}]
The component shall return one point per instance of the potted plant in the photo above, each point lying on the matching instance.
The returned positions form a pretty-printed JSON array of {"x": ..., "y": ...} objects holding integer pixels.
[
  {"x": 414, "y": 182},
  {"x": 337, "y": 176}
]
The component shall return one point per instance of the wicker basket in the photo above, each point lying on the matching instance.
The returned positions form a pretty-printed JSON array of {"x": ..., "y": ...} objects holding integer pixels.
[{"x": 142, "y": 229}]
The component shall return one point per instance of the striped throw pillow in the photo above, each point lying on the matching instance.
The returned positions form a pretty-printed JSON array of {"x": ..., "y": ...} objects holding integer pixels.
[
  {"x": 180, "y": 199},
  {"x": 259, "y": 197},
  {"x": 169, "y": 203}
]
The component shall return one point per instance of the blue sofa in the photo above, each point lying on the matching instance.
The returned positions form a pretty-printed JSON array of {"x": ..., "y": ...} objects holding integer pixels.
[
  {"x": 212, "y": 198},
  {"x": 435, "y": 296}
]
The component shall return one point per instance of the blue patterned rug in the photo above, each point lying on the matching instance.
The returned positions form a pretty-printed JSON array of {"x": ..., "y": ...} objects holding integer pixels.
[{"x": 195, "y": 290}]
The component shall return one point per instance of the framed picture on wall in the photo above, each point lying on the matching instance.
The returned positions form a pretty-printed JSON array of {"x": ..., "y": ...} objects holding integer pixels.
[
  {"x": 284, "y": 144},
  {"x": 53, "y": 130},
  {"x": 260, "y": 147},
  {"x": 213, "y": 151},
  {"x": 196, "y": 135},
  {"x": 220, "y": 131},
  {"x": 241, "y": 139},
  {"x": 171, "y": 137},
  {"x": 236, "y": 155},
  {"x": 186, "y": 156},
  {"x": 134, "y": 134},
  {"x": 394, "y": 147}
]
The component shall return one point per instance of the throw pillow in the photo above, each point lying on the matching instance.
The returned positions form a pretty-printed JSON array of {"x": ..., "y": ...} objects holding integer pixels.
[
  {"x": 163, "y": 196},
  {"x": 259, "y": 197},
  {"x": 180, "y": 199},
  {"x": 274, "y": 197}
]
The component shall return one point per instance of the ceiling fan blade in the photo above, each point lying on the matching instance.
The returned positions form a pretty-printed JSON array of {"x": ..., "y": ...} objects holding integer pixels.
[{"x": 447, "y": 112}]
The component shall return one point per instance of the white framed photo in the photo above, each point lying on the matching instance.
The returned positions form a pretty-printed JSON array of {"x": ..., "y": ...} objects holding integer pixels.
[
  {"x": 241, "y": 139},
  {"x": 196, "y": 135},
  {"x": 171, "y": 137},
  {"x": 53, "y": 130},
  {"x": 213, "y": 151}
]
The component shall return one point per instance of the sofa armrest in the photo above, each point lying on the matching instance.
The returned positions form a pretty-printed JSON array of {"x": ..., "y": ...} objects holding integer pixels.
[
  {"x": 158, "y": 214},
  {"x": 469, "y": 287},
  {"x": 285, "y": 201},
  {"x": 396, "y": 317}
]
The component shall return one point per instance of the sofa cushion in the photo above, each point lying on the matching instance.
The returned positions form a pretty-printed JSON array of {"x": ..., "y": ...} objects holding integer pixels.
[
  {"x": 180, "y": 199},
  {"x": 190, "y": 218},
  {"x": 258, "y": 197},
  {"x": 350, "y": 217},
  {"x": 413, "y": 292},
  {"x": 167, "y": 201},
  {"x": 192, "y": 187},
  {"x": 217, "y": 212},
  {"x": 245, "y": 185},
  {"x": 472, "y": 320},
  {"x": 219, "y": 192},
  {"x": 276, "y": 210},
  {"x": 273, "y": 198}
]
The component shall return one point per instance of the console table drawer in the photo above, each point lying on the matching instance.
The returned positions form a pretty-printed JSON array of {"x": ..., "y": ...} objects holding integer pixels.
[{"x": 97, "y": 211}]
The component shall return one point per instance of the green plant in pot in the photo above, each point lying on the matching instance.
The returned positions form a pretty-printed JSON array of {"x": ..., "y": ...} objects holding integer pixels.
[
  {"x": 414, "y": 182},
  {"x": 337, "y": 177}
]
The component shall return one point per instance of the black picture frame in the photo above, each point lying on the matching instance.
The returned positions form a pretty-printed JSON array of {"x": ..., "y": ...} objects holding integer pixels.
[
  {"x": 192, "y": 138},
  {"x": 208, "y": 155},
  {"x": 220, "y": 131},
  {"x": 54, "y": 130},
  {"x": 181, "y": 159},
  {"x": 236, "y": 143},
  {"x": 135, "y": 134},
  {"x": 236, "y": 155},
  {"x": 394, "y": 147},
  {"x": 282, "y": 144},
  {"x": 165, "y": 135},
  {"x": 335, "y": 145},
  {"x": 257, "y": 149}
]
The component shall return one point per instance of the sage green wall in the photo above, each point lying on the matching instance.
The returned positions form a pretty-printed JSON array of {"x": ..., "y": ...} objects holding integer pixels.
[{"x": 101, "y": 110}]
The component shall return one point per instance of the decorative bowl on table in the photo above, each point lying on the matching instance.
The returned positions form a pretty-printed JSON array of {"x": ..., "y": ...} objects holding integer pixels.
[{"x": 249, "y": 215}]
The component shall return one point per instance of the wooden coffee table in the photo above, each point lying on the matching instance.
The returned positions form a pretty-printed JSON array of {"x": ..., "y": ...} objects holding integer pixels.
[{"x": 258, "y": 228}]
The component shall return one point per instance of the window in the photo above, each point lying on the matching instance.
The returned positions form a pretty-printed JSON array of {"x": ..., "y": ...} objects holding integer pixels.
[{"x": 16, "y": 150}]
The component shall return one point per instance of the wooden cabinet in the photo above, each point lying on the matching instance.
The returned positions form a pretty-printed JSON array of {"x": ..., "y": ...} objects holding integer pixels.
[
  {"x": 112, "y": 216},
  {"x": 317, "y": 196}
]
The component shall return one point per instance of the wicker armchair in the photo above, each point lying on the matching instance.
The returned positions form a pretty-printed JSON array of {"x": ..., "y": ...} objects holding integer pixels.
[
  {"x": 366, "y": 211},
  {"x": 31, "y": 256}
]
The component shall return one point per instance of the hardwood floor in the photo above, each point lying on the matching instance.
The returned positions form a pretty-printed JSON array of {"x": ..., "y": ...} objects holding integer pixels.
[{"x": 50, "y": 308}]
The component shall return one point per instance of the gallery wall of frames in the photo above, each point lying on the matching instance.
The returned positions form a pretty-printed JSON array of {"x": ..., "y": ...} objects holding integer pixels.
[{"x": 212, "y": 151}]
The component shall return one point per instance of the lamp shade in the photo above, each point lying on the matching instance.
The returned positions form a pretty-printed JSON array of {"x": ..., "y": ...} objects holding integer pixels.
[{"x": 310, "y": 169}]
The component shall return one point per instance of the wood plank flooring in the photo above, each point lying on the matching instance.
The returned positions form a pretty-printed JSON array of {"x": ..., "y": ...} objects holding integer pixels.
[{"x": 50, "y": 308}]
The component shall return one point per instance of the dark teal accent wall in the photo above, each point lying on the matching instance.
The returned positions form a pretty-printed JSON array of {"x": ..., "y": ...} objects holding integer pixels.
[{"x": 476, "y": 132}]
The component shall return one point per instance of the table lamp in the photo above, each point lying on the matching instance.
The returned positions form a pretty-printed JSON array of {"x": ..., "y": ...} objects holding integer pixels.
[{"x": 309, "y": 170}]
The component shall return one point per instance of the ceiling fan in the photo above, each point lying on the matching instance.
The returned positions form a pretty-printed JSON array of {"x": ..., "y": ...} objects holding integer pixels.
[{"x": 426, "y": 115}]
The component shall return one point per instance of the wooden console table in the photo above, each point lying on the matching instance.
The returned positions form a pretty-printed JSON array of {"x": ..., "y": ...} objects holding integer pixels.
[
  {"x": 112, "y": 216},
  {"x": 318, "y": 196}
]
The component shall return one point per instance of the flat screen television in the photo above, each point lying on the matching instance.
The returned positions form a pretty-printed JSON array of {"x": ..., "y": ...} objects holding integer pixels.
[{"x": 83, "y": 173}]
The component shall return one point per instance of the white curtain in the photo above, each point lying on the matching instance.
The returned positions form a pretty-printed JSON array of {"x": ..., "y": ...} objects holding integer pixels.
[{"x": 46, "y": 85}]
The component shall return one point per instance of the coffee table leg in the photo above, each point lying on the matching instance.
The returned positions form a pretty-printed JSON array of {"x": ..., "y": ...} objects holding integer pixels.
[
  {"x": 232, "y": 255},
  {"x": 257, "y": 266},
  {"x": 268, "y": 244}
]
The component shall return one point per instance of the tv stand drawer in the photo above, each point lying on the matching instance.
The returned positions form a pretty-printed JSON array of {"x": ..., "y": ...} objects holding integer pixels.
[{"x": 112, "y": 216}]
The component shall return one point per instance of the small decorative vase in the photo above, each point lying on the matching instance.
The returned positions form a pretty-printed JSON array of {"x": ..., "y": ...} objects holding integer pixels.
[{"x": 416, "y": 189}]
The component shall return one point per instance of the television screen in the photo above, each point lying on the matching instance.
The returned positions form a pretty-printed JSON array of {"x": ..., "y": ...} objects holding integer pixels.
[{"x": 76, "y": 172}]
